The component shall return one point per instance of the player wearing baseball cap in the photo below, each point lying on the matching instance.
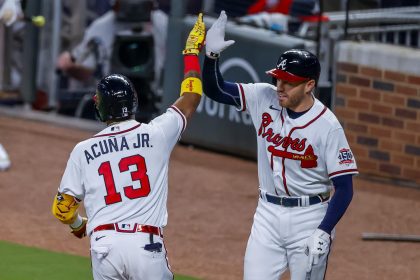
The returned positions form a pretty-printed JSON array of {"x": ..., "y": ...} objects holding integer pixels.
[
  {"x": 302, "y": 155},
  {"x": 121, "y": 175}
]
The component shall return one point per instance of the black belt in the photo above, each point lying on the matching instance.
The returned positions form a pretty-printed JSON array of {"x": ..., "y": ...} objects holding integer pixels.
[
  {"x": 136, "y": 228},
  {"x": 293, "y": 201}
]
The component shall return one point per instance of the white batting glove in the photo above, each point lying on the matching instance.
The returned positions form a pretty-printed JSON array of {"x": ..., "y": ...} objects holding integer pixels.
[
  {"x": 10, "y": 11},
  {"x": 317, "y": 245},
  {"x": 215, "y": 38}
]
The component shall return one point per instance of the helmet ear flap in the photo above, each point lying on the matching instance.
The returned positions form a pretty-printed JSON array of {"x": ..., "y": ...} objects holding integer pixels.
[{"x": 120, "y": 110}]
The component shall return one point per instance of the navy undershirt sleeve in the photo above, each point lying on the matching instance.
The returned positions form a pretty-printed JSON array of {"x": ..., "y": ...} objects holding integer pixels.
[
  {"x": 339, "y": 202},
  {"x": 215, "y": 87}
]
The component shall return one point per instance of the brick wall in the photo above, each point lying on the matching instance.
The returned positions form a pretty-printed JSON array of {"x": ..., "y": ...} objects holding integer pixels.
[{"x": 379, "y": 109}]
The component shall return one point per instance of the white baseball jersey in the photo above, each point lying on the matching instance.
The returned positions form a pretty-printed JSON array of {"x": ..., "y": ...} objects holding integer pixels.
[
  {"x": 295, "y": 156},
  {"x": 121, "y": 173}
]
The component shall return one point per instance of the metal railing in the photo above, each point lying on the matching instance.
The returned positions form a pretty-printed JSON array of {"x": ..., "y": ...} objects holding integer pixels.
[
  {"x": 371, "y": 25},
  {"x": 396, "y": 26}
]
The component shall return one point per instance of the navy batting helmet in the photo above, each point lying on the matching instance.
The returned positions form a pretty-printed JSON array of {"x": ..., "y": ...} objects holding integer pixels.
[
  {"x": 296, "y": 66},
  {"x": 116, "y": 98}
]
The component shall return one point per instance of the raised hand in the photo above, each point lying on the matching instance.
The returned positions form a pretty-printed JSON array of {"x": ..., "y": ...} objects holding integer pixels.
[
  {"x": 215, "y": 42},
  {"x": 196, "y": 37}
]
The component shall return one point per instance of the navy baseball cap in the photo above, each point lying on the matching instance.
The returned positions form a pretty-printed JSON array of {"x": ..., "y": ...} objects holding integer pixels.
[{"x": 296, "y": 66}]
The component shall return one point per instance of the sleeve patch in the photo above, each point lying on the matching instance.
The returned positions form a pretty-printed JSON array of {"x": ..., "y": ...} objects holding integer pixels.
[{"x": 345, "y": 156}]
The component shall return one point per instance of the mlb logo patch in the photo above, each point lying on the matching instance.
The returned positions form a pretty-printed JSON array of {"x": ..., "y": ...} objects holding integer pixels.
[
  {"x": 345, "y": 156},
  {"x": 126, "y": 226}
]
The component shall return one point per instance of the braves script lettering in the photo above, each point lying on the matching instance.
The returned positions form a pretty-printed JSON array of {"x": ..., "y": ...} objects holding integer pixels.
[
  {"x": 278, "y": 140},
  {"x": 307, "y": 160}
]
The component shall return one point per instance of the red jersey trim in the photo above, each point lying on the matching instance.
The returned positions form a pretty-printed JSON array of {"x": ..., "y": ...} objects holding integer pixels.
[
  {"x": 184, "y": 119},
  {"x": 343, "y": 171},
  {"x": 290, "y": 133},
  {"x": 119, "y": 132},
  {"x": 309, "y": 123},
  {"x": 241, "y": 90},
  {"x": 281, "y": 116}
]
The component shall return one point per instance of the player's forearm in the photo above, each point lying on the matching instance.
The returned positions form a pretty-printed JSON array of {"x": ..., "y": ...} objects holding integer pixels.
[
  {"x": 215, "y": 87},
  {"x": 191, "y": 88},
  {"x": 339, "y": 202}
]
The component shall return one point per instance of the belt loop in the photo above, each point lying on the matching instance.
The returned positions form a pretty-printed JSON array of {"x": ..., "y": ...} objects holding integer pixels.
[
  {"x": 319, "y": 197},
  {"x": 263, "y": 195}
]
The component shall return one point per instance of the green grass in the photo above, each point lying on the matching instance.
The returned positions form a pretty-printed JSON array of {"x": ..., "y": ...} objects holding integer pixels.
[{"x": 18, "y": 262}]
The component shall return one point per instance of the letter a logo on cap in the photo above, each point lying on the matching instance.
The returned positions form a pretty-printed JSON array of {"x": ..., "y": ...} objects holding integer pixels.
[{"x": 282, "y": 64}]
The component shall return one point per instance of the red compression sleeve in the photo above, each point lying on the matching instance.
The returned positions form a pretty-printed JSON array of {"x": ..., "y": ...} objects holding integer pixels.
[{"x": 191, "y": 63}]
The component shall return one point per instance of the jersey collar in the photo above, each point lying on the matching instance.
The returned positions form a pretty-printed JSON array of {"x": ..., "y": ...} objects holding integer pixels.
[
  {"x": 313, "y": 112},
  {"x": 118, "y": 128}
]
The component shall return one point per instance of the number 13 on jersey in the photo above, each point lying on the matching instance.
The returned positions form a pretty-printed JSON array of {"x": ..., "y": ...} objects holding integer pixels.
[{"x": 140, "y": 175}]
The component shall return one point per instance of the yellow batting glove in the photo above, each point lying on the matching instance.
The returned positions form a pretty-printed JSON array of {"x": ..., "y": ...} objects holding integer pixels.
[
  {"x": 196, "y": 37},
  {"x": 65, "y": 207}
]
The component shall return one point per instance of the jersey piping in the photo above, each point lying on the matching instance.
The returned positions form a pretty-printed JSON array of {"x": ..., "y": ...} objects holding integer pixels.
[
  {"x": 184, "y": 119},
  {"x": 342, "y": 171},
  {"x": 241, "y": 89}
]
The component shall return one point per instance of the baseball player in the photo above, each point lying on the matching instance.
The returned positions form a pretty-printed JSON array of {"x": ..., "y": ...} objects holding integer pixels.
[
  {"x": 302, "y": 155},
  {"x": 4, "y": 159},
  {"x": 121, "y": 174},
  {"x": 10, "y": 10}
]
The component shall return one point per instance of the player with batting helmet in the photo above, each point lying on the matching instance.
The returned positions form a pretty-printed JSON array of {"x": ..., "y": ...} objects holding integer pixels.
[
  {"x": 302, "y": 155},
  {"x": 121, "y": 175}
]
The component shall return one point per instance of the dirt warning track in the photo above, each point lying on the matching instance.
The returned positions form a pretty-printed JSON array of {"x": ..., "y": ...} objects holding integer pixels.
[{"x": 212, "y": 199}]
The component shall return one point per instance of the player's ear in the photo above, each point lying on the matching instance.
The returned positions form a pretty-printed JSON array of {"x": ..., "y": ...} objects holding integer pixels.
[{"x": 310, "y": 85}]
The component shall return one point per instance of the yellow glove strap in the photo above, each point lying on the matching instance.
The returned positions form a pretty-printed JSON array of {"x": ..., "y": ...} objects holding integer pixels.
[
  {"x": 191, "y": 52},
  {"x": 191, "y": 85}
]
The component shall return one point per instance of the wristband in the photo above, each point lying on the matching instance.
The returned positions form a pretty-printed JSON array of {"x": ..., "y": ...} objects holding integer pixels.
[
  {"x": 213, "y": 55},
  {"x": 191, "y": 85},
  {"x": 77, "y": 223},
  {"x": 191, "y": 63}
]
